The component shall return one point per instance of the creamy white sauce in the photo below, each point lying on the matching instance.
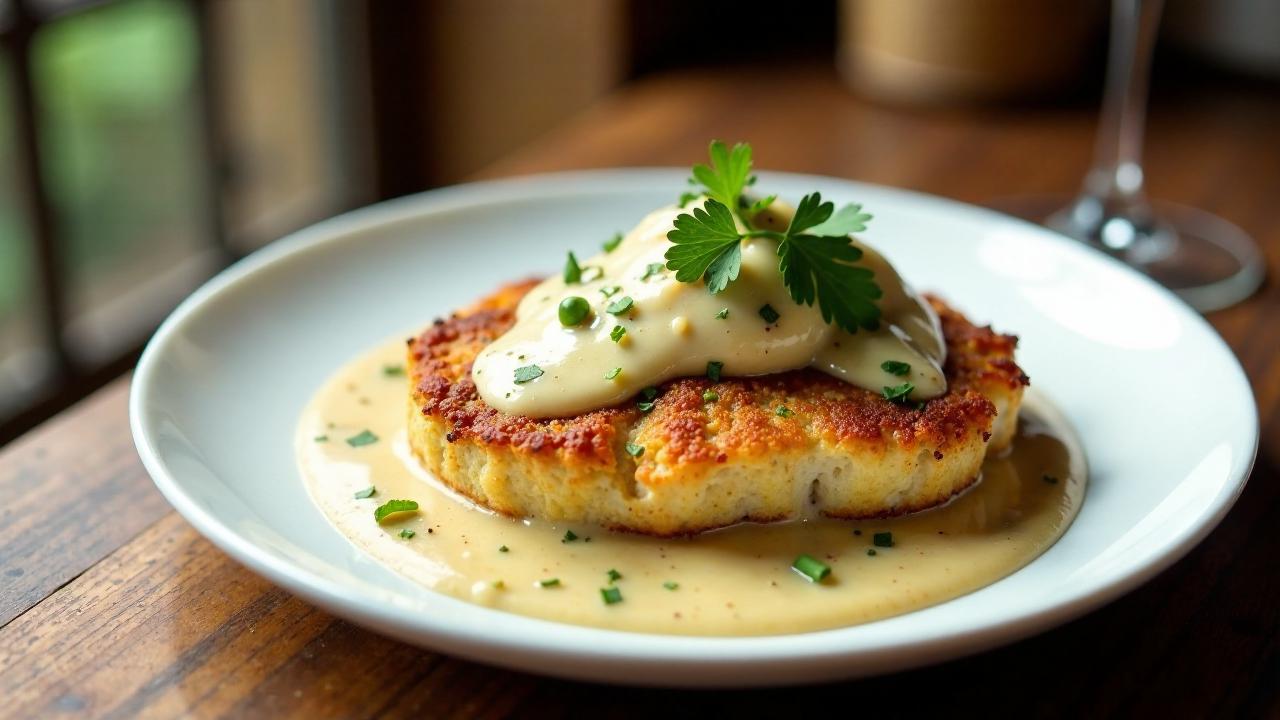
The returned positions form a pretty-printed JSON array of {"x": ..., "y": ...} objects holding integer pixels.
[
  {"x": 674, "y": 329},
  {"x": 735, "y": 581}
]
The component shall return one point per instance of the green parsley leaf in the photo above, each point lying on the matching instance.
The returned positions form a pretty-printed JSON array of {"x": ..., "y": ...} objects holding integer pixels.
[
  {"x": 728, "y": 173},
  {"x": 686, "y": 198},
  {"x": 634, "y": 450},
  {"x": 392, "y": 507},
  {"x": 613, "y": 373},
  {"x": 783, "y": 411},
  {"x": 393, "y": 370},
  {"x": 714, "y": 367},
  {"x": 724, "y": 313},
  {"x": 882, "y": 539},
  {"x": 768, "y": 313},
  {"x": 611, "y": 595},
  {"x": 612, "y": 243},
  {"x": 670, "y": 585},
  {"x": 652, "y": 269},
  {"x": 527, "y": 373},
  {"x": 572, "y": 273},
  {"x": 366, "y": 493},
  {"x": 621, "y": 305},
  {"x": 898, "y": 393},
  {"x": 893, "y": 367},
  {"x": 614, "y": 576},
  {"x": 363, "y": 438},
  {"x": 569, "y": 536},
  {"x": 820, "y": 268},
  {"x": 706, "y": 243},
  {"x": 761, "y": 204},
  {"x": 848, "y": 219},
  {"x": 617, "y": 332},
  {"x": 407, "y": 533}
]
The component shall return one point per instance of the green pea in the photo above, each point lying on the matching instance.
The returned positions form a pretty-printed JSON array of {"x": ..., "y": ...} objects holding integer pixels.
[{"x": 573, "y": 310}]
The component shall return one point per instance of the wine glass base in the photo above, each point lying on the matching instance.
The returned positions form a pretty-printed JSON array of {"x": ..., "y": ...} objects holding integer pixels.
[{"x": 1210, "y": 263}]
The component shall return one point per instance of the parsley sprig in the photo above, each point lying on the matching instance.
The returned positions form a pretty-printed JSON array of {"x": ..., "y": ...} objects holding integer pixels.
[{"x": 816, "y": 258}]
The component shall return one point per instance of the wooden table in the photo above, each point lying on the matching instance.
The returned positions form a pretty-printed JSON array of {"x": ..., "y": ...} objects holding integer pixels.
[{"x": 111, "y": 605}]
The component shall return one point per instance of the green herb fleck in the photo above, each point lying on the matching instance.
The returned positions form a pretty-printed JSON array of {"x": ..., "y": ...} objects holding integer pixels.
[
  {"x": 572, "y": 272},
  {"x": 898, "y": 393},
  {"x": 617, "y": 332},
  {"x": 569, "y": 536},
  {"x": 527, "y": 373},
  {"x": 670, "y": 585},
  {"x": 573, "y": 310},
  {"x": 783, "y": 411},
  {"x": 610, "y": 290},
  {"x": 613, "y": 373},
  {"x": 871, "y": 552},
  {"x": 761, "y": 204},
  {"x": 621, "y": 305},
  {"x": 893, "y": 367},
  {"x": 769, "y": 314},
  {"x": 614, "y": 576},
  {"x": 407, "y": 533},
  {"x": 652, "y": 269},
  {"x": 503, "y": 548},
  {"x": 1049, "y": 479},
  {"x": 392, "y": 507},
  {"x": 714, "y": 367},
  {"x": 810, "y": 568},
  {"x": 550, "y": 582},
  {"x": 882, "y": 539},
  {"x": 710, "y": 395},
  {"x": 611, "y": 595},
  {"x": 649, "y": 393},
  {"x": 612, "y": 243},
  {"x": 644, "y": 405},
  {"x": 363, "y": 438},
  {"x": 724, "y": 313},
  {"x": 393, "y": 370},
  {"x": 634, "y": 450},
  {"x": 321, "y": 438},
  {"x": 366, "y": 493}
]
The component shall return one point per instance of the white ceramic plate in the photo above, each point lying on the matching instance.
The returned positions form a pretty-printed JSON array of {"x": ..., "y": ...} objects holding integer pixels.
[{"x": 219, "y": 389}]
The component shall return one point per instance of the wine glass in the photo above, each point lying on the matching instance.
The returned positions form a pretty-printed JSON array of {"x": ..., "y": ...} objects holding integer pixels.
[{"x": 1206, "y": 260}]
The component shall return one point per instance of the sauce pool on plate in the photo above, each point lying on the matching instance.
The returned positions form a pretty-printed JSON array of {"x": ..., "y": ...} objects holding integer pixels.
[{"x": 735, "y": 581}]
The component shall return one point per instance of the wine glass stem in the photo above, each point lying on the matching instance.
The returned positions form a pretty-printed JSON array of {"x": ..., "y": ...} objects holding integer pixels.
[{"x": 1116, "y": 176}]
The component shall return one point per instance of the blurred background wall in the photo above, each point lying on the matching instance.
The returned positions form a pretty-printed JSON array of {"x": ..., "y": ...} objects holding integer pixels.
[{"x": 144, "y": 144}]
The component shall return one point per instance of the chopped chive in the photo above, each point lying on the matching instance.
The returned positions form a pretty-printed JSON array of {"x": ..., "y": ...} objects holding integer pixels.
[
  {"x": 366, "y": 493},
  {"x": 572, "y": 272},
  {"x": 652, "y": 269},
  {"x": 871, "y": 552},
  {"x": 612, "y": 243},
  {"x": 569, "y": 536},
  {"x": 649, "y": 393},
  {"x": 644, "y": 406},
  {"x": 724, "y": 313},
  {"x": 898, "y": 393},
  {"x": 814, "y": 570},
  {"x": 591, "y": 273},
  {"x": 613, "y": 373},
  {"x": 634, "y": 450},
  {"x": 1049, "y": 479},
  {"x": 670, "y": 585},
  {"x": 769, "y": 314},
  {"x": 617, "y": 332},
  {"x": 610, "y": 290},
  {"x": 573, "y": 310},
  {"x": 391, "y": 507},
  {"x": 614, "y": 576},
  {"x": 550, "y": 582},
  {"x": 882, "y": 539},
  {"x": 503, "y": 548},
  {"x": 714, "y": 368},
  {"x": 893, "y": 367},
  {"x": 364, "y": 438},
  {"x": 621, "y": 305},
  {"x": 321, "y": 438},
  {"x": 611, "y": 595},
  {"x": 526, "y": 373},
  {"x": 710, "y": 396},
  {"x": 783, "y": 411},
  {"x": 407, "y": 533},
  {"x": 393, "y": 370}
]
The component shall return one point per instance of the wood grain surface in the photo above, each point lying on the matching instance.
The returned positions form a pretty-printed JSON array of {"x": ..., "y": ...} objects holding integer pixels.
[{"x": 112, "y": 606}]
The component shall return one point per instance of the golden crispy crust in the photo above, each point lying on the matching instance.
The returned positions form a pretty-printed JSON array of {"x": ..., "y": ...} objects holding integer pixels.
[{"x": 689, "y": 441}]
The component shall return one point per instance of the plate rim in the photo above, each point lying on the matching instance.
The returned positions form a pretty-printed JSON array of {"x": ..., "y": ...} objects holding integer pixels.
[{"x": 603, "y": 660}]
